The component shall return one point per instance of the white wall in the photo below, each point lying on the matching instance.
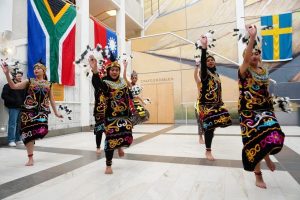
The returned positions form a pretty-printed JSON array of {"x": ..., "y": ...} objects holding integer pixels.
[
  {"x": 134, "y": 9},
  {"x": 6, "y": 7},
  {"x": 17, "y": 18}
]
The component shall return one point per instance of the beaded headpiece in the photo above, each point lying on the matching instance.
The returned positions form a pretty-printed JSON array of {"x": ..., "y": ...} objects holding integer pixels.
[
  {"x": 113, "y": 64},
  {"x": 40, "y": 65},
  {"x": 133, "y": 74}
]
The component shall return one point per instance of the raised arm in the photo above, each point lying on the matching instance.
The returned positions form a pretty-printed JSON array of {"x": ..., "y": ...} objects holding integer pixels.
[
  {"x": 125, "y": 73},
  {"x": 203, "y": 41},
  {"x": 12, "y": 85},
  {"x": 52, "y": 102},
  {"x": 248, "y": 53},
  {"x": 96, "y": 80}
]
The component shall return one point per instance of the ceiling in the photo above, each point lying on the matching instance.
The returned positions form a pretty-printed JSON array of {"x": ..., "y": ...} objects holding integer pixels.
[{"x": 98, "y": 9}]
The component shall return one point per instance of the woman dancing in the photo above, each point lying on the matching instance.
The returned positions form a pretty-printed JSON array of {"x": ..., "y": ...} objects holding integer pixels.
[
  {"x": 261, "y": 133},
  {"x": 118, "y": 127},
  {"x": 34, "y": 112},
  {"x": 212, "y": 110},
  {"x": 140, "y": 114}
]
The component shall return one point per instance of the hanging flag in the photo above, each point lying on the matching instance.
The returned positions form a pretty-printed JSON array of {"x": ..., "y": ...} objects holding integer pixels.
[
  {"x": 277, "y": 37},
  {"x": 51, "y": 39},
  {"x": 105, "y": 37}
]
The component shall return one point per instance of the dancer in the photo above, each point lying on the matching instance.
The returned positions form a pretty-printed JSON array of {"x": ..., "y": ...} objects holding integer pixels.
[
  {"x": 212, "y": 110},
  {"x": 35, "y": 110},
  {"x": 140, "y": 114},
  {"x": 261, "y": 133},
  {"x": 197, "y": 104},
  {"x": 99, "y": 112},
  {"x": 118, "y": 127}
]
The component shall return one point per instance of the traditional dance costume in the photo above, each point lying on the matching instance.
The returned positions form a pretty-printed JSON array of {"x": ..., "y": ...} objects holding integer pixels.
[
  {"x": 118, "y": 127},
  {"x": 99, "y": 114},
  {"x": 140, "y": 114},
  {"x": 261, "y": 132},
  {"x": 34, "y": 112},
  {"x": 99, "y": 110},
  {"x": 212, "y": 111}
]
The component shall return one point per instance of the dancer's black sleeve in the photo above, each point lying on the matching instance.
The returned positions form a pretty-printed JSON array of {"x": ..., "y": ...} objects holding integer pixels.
[
  {"x": 203, "y": 64},
  {"x": 98, "y": 83}
]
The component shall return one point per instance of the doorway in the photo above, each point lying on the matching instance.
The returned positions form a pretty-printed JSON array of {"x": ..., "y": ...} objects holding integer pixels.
[{"x": 161, "y": 108}]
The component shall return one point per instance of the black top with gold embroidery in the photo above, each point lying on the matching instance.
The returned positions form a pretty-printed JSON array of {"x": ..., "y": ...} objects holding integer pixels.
[
  {"x": 117, "y": 94},
  {"x": 211, "y": 90},
  {"x": 254, "y": 93}
]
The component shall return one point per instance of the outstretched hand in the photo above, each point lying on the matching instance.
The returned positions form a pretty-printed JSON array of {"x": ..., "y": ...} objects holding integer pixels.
[
  {"x": 93, "y": 63},
  {"x": 252, "y": 30},
  {"x": 125, "y": 63},
  {"x": 59, "y": 115},
  {"x": 5, "y": 68},
  {"x": 203, "y": 40}
]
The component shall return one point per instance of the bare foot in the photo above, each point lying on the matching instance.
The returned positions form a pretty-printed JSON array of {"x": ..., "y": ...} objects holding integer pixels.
[
  {"x": 209, "y": 156},
  {"x": 121, "y": 152},
  {"x": 108, "y": 170},
  {"x": 259, "y": 182},
  {"x": 98, "y": 151},
  {"x": 30, "y": 162},
  {"x": 270, "y": 163},
  {"x": 201, "y": 140}
]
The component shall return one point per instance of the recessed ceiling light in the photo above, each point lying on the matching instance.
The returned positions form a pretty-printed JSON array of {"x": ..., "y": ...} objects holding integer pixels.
[{"x": 112, "y": 12}]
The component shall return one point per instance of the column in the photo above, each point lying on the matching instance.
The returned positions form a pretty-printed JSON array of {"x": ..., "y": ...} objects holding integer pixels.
[
  {"x": 82, "y": 31},
  {"x": 240, "y": 24},
  {"x": 121, "y": 31},
  {"x": 120, "y": 26},
  {"x": 6, "y": 15}
]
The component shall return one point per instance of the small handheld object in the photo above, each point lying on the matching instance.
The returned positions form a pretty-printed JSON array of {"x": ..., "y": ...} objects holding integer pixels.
[
  {"x": 66, "y": 111},
  {"x": 210, "y": 40}
]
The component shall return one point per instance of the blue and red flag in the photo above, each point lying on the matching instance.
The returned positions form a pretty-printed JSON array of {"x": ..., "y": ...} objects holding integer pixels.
[
  {"x": 277, "y": 37},
  {"x": 105, "y": 37},
  {"x": 51, "y": 39}
]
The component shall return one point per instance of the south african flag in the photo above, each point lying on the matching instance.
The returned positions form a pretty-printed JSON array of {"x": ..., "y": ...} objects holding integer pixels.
[{"x": 51, "y": 39}]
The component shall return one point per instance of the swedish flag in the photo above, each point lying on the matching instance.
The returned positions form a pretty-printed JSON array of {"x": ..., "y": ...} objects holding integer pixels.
[{"x": 277, "y": 37}]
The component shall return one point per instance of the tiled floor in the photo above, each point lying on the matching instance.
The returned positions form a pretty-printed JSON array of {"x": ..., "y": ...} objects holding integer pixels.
[{"x": 165, "y": 162}]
